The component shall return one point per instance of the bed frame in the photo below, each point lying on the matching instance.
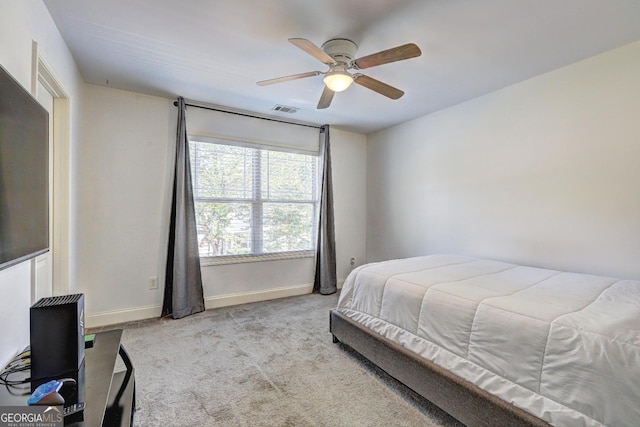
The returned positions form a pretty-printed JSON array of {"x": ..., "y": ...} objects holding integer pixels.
[{"x": 461, "y": 399}]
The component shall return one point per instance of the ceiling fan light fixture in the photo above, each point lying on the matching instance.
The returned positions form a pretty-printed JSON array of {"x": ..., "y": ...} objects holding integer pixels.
[
  {"x": 339, "y": 55},
  {"x": 338, "y": 79}
]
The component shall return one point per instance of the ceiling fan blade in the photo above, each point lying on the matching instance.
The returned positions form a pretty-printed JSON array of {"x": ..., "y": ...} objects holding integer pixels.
[
  {"x": 399, "y": 53},
  {"x": 287, "y": 78},
  {"x": 313, "y": 50},
  {"x": 325, "y": 98},
  {"x": 378, "y": 86}
]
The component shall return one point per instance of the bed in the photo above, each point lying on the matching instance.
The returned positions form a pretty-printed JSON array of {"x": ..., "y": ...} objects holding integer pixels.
[{"x": 494, "y": 343}]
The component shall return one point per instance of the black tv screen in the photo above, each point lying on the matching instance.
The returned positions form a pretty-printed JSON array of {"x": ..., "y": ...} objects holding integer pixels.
[{"x": 24, "y": 174}]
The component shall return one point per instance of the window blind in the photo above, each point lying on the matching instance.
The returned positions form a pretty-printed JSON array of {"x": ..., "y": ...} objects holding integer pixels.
[
  {"x": 221, "y": 126},
  {"x": 252, "y": 199}
]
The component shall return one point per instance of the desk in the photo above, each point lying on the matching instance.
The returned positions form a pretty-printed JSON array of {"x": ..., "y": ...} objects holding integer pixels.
[{"x": 109, "y": 397}]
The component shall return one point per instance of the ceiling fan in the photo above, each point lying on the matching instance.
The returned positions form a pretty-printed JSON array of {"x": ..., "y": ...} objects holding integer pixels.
[{"x": 339, "y": 55}]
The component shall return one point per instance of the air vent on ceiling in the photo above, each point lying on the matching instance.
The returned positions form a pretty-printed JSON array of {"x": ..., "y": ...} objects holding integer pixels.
[{"x": 285, "y": 109}]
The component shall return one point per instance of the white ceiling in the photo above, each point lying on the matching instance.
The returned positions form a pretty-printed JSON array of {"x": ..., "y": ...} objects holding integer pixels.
[{"x": 216, "y": 50}]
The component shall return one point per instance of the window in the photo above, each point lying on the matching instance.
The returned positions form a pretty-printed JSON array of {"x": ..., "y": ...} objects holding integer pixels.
[{"x": 253, "y": 200}]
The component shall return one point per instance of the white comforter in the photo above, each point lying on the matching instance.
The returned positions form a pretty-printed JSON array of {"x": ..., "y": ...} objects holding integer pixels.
[{"x": 563, "y": 346}]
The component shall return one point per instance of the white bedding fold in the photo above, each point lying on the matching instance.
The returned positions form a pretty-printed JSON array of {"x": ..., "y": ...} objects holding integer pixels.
[{"x": 563, "y": 346}]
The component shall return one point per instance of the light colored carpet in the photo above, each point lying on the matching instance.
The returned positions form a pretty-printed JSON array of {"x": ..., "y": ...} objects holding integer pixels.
[{"x": 264, "y": 364}]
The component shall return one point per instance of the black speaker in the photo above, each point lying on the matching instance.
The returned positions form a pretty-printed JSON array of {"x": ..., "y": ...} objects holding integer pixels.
[{"x": 57, "y": 336}]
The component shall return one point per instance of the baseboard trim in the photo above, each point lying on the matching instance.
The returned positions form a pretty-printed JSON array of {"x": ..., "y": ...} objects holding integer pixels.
[
  {"x": 121, "y": 316},
  {"x": 217, "y": 301},
  {"x": 227, "y": 300}
]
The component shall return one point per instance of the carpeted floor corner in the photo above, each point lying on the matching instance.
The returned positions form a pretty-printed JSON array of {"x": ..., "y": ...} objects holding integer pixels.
[{"x": 264, "y": 364}]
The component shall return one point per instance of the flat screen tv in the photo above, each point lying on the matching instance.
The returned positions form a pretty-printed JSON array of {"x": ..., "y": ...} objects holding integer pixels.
[{"x": 24, "y": 174}]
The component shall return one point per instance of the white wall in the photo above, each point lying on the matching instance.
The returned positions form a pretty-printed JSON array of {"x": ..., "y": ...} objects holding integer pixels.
[
  {"x": 545, "y": 172},
  {"x": 349, "y": 168},
  {"x": 124, "y": 177},
  {"x": 22, "y": 22},
  {"x": 123, "y": 180}
]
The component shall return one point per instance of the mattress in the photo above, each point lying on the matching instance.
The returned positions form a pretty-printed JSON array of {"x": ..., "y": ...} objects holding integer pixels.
[{"x": 563, "y": 346}]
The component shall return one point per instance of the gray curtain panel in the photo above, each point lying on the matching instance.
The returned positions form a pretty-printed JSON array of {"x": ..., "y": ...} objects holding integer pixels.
[
  {"x": 183, "y": 281},
  {"x": 326, "y": 281}
]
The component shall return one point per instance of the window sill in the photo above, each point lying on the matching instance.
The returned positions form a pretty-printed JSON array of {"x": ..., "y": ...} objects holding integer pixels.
[{"x": 241, "y": 259}]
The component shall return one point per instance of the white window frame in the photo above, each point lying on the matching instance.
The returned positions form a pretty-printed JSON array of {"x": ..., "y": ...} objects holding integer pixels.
[{"x": 270, "y": 256}]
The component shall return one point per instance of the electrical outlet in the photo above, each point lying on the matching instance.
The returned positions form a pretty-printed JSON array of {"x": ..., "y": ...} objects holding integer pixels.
[
  {"x": 153, "y": 283},
  {"x": 352, "y": 262}
]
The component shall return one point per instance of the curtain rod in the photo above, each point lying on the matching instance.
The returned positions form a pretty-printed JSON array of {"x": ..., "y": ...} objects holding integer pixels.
[{"x": 239, "y": 113}]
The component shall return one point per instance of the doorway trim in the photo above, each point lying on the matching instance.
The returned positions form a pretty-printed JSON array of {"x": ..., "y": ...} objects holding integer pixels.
[{"x": 60, "y": 199}]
